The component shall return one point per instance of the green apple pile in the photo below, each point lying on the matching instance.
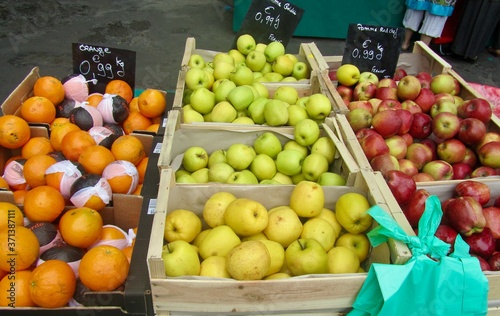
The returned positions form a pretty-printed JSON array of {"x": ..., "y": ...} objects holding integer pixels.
[
  {"x": 230, "y": 88},
  {"x": 237, "y": 237},
  {"x": 267, "y": 160}
]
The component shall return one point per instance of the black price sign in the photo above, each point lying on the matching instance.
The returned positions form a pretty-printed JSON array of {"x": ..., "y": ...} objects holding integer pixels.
[
  {"x": 270, "y": 21},
  {"x": 373, "y": 48},
  {"x": 103, "y": 64}
]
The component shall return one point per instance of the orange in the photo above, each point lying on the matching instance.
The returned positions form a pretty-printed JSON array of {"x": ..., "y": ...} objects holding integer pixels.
[
  {"x": 49, "y": 87},
  {"x": 153, "y": 128},
  {"x": 25, "y": 251},
  {"x": 141, "y": 168},
  {"x": 43, "y": 203},
  {"x": 94, "y": 99},
  {"x": 58, "y": 121},
  {"x": 128, "y": 252},
  {"x": 14, "y": 131},
  {"x": 34, "y": 169},
  {"x": 19, "y": 196},
  {"x": 18, "y": 284},
  {"x": 35, "y": 146},
  {"x": 120, "y": 87},
  {"x": 129, "y": 148},
  {"x": 74, "y": 143},
  {"x": 111, "y": 232},
  {"x": 52, "y": 284},
  {"x": 95, "y": 158},
  {"x": 58, "y": 132},
  {"x": 38, "y": 109},
  {"x": 135, "y": 122},
  {"x": 81, "y": 226},
  {"x": 152, "y": 103},
  {"x": 10, "y": 213},
  {"x": 103, "y": 268},
  {"x": 137, "y": 190},
  {"x": 4, "y": 184},
  {"x": 134, "y": 105}
]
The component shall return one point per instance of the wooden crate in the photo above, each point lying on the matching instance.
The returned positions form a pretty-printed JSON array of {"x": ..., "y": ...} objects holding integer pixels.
[
  {"x": 211, "y": 136},
  {"x": 198, "y": 295}
]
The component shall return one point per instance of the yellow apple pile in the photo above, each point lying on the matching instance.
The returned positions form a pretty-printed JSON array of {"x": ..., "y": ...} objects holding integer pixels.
[
  {"x": 237, "y": 237},
  {"x": 230, "y": 89}
]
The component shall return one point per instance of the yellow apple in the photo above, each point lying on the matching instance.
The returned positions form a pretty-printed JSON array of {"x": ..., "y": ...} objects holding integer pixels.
[
  {"x": 250, "y": 260},
  {"x": 351, "y": 211},
  {"x": 307, "y": 199},
  {"x": 330, "y": 216},
  {"x": 215, "y": 207},
  {"x": 358, "y": 243},
  {"x": 277, "y": 253},
  {"x": 284, "y": 226},
  {"x": 214, "y": 266},
  {"x": 321, "y": 230},
  {"x": 258, "y": 236},
  {"x": 246, "y": 217},
  {"x": 197, "y": 241},
  {"x": 342, "y": 260},
  {"x": 306, "y": 256},
  {"x": 180, "y": 258},
  {"x": 181, "y": 224},
  {"x": 278, "y": 275},
  {"x": 218, "y": 242}
]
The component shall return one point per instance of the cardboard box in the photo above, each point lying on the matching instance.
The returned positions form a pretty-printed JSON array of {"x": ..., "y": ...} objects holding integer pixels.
[
  {"x": 199, "y": 295},
  {"x": 211, "y": 137}
]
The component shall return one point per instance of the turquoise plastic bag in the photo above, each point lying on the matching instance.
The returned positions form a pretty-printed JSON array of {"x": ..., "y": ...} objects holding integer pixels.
[{"x": 444, "y": 285}]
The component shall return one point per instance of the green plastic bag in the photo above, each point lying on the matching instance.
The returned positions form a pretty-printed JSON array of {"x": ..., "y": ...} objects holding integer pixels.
[{"x": 444, "y": 285}]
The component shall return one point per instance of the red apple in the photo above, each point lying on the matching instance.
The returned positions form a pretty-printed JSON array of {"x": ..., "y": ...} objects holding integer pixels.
[
  {"x": 425, "y": 99},
  {"x": 415, "y": 206},
  {"x": 447, "y": 234},
  {"x": 443, "y": 106},
  {"x": 492, "y": 216},
  {"x": 419, "y": 154},
  {"x": 422, "y": 177},
  {"x": 384, "y": 163},
  {"x": 465, "y": 214},
  {"x": 387, "y": 123},
  {"x": 477, "y": 108},
  {"x": 389, "y": 104},
  {"x": 359, "y": 118},
  {"x": 421, "y": 126},
  {"x": 387, "y": 93},
  {"x": 471, "y": 131},
  {"x": 470, "y": 158},
  {"x": 387, "y": 82},
  {"x": 439, "y": 170},
  {"x": 332, "y": 74},
  {"x": 364, "y": 132},
  {"x": 375, "y": 103},
  {"x": 411, "y": 106},
  {"x": 483, "y": 263},
  {"x": 461, "y": 171},
  {"x": 482, "y": 171},
  {"x": 481, "y": 243},
  {"x": 445, "y": 125},
  {"x": 490, "y": 136},
  {"x": 444, "y": 83},
  {"x": 360, "y": 104},
  {"x": 346, "y": 93},
  {"x": 489, "y": 154},
  {"x": 432, "y": 145},
  {"x": 407, "y": 118},
  {"x": 401, "y": 185},
  {"x": 497, "y": 202},
  {"x": 408, "y": 167},
  {"x": 408, "y": 138},
  {"x": 374, "y": 145},
  {"x": 478, "y": 190},
  {"x": 494, "y": 261},
  {"x": 408, "y": 88},
  {"x": 397, "y": 146},
  {"x": 444, "y": 96},
  {"x": 364, "y": 91},
  {"x": 399, "y": 74},
  {"x": 425, "y": 79},
  {"x": 451, "y": 150}
]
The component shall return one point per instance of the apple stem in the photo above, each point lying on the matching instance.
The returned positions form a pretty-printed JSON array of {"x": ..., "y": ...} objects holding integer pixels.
[
  {"x": 168, "y": 248},
  {"x": 302, "y": 246}
]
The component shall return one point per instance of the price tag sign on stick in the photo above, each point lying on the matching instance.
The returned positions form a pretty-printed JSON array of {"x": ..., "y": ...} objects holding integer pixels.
[
  {"x": 373, "y": 48},
  {"x": 103, "y": 64},
  {"x": 270, "y": 21}
]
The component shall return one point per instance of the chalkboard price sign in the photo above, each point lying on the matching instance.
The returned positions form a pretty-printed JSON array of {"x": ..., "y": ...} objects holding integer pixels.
[
  {"x": 270, "y": 21},
  {"x": 103, "y": 64},
  {"x": 373, "y": 48}
]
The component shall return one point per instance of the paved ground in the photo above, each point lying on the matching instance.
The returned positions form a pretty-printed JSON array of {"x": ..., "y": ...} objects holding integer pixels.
[{"x": 40, "y": 33}]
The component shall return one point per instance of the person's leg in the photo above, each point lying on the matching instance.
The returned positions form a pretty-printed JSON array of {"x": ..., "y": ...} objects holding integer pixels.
[
  {"x": 495, "y": 50},
  {"x": 432, "y": 27},
  {"x": 411, "y": 22}
]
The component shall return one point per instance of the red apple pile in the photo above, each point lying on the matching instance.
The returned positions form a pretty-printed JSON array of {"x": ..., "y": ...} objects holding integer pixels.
[
  {"x": 419, "y": 124},
  {"x": 471, "y": 212}
]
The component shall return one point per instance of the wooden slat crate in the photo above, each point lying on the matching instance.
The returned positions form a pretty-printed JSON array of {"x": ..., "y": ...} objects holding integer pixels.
[{"x": 301, "y": 295}]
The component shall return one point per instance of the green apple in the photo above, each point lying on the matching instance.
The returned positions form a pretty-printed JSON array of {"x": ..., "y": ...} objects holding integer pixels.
[
  {"x": 220, "y": 172},
  {"x": 196, "y": 61},
  {"x": 223, "y": 70},
  {"x": 238, "y": 57},
  {"x": 245, "y": 43},
  {"x": 268, "y": 143},
  {"x": 351, "y": 211},
  {"x": 223, "y": 112},
  {"x": 246, "y": 217},
  {"x": 224, "y": 57},
  {"x": 342, "y": 260},
  {"x": 181, "y": 172},
  {"x": 181, "y": 224},
  {"x": 214, "y": 267},
  {"x": 263, "y": 167},
  {"x": 269, "y": 182},
  {"x": 276, "y": 113},
  {"x": 273, "y": 50},
  {"x": 277, "y": 253},
  {"x": 298, "y": 177},
  {"x": 180, "y": 258},
  {"x": 358, "y": 243},
  {"x": 250, "y": 260},
  {"x": 194, "y": 158},
  {"x": 242, "y": 75},
  {"x": 348, "y": 74},
  {"x": 307, "y": 199},
  {"x": 242, "y": 177},
  {"x": 289, "y": 162},
  {"x": 255, "y": 60},
  {"x": 215, "y": 207},
  {"x": 241, "y": 97},
  {"x": 329, "y": 215},
  {"x": 306, "y": 132},
  {"x": 300, "y": 70},
  {"x": 202, "y": 100},
  {"x": 368, "y": 76},
  {"x": 292, "y": 57},
  {"x": 289, "y": 79},
  {"x": 254, "y": 90},
  {"x": 217, "y": 82},
  {"x": 296, "y": 113},
  {"x": 243, "y": 120},
  {"x": 201, "y": 175},
  {"x": 318, "y": 106},
  {"x": 282, "y": 178},
  {"x": 222, "y": 89},
  {"x": 256, "y": 110},
  {"x": 306, "y": 256},
  {"x": 287, "y": 94},
  {"x": 196, "y": 78},
  {"x": 321, "y": 230},
  {"x": 207, "y": 117},
  {"x": 211, "y": 78},
  {"x": 283, "y": 65},
  {"x": 218, "y": 242},
  {"x": 284, "y": 225},
  {"x": 240, "y": 156},
  {"x": 261, "y": 89},
  {"x": 217, "y": 156},
  {"x": 292, "y": 144},
  {"x": 261, "y": 47},
  {"x": 185, "y": 178},
  {"x": 302, "y": 101},
  {"x": 267, "y": 69},
  {"x": 331, "y": 179},
  {"x": 326, "y": 147},
  {"x": 256, "y": 76},
  {"x": 313, "y": 166},
  {"x": 273, "y": 77}
]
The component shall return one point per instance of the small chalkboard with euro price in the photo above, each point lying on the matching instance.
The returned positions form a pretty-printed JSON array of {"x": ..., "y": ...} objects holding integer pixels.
[{"x": 373, "y": 48}]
